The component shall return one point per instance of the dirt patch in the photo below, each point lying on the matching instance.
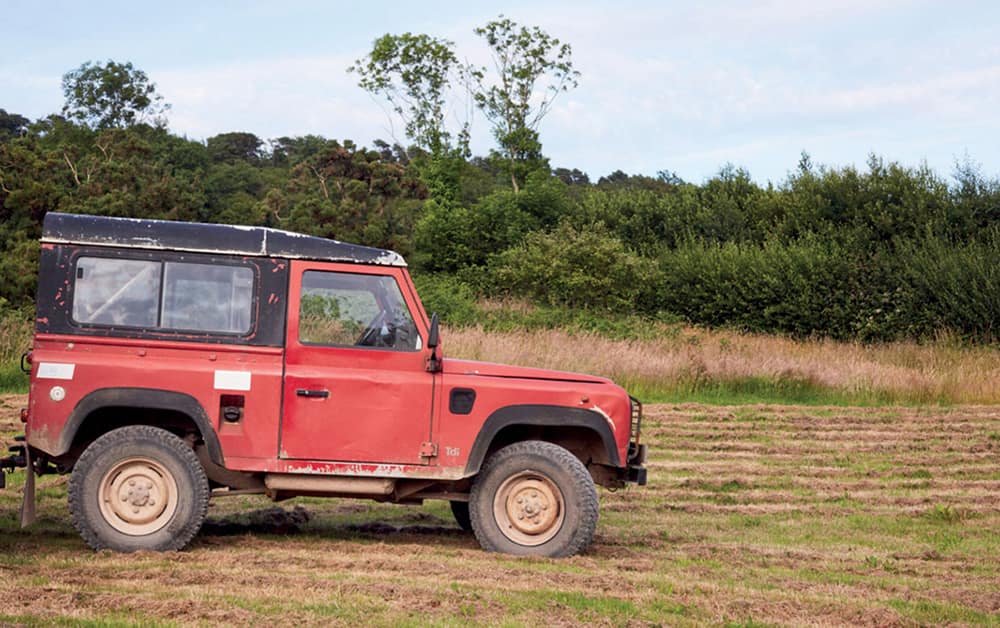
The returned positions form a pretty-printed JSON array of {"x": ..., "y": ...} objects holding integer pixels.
[{"x": 274, "y": 520}]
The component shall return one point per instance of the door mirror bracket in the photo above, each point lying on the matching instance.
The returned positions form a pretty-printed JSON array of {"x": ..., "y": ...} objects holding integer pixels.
[{"x": 433, "y": 343}]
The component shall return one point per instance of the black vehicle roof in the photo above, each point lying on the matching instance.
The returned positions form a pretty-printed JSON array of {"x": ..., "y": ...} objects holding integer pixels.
[{"x": 141, "y": 233}]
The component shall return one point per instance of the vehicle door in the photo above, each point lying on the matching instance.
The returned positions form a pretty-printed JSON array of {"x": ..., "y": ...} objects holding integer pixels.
[{"x": 356, "y": 387}]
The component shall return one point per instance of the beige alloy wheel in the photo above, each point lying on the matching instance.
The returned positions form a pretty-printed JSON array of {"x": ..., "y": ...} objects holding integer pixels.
[
  {"x": 529, "y": 508},
  {"x": 138, "y": 496}
]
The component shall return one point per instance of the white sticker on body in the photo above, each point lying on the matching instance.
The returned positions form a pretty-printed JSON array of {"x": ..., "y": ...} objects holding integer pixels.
[
  {"x": 54, "y": 370},
  {"x": 232, "y": 380}
]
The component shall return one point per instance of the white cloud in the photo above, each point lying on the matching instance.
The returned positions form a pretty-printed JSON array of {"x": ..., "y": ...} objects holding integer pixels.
[{"x": 292, "y": 96}]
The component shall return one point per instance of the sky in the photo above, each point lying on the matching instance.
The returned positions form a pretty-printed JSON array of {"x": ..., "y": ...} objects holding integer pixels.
[{"x": 684, "y": 87}]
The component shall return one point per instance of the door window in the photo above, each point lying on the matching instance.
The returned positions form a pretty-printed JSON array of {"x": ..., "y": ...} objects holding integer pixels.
[{"x": 349, "y": 309}]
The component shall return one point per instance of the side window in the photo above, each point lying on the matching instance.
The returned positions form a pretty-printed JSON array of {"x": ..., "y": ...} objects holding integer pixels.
[
  {"x": 205, "y": 297},
  {"x": 116, "y": 292},
  {"x": 353, "y": 309},
  {"x": 156, "y": 295}
]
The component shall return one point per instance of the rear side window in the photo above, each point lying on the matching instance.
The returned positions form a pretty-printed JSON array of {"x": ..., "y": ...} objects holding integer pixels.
[
  {"x": 165, "y": 295},
  {"x": 203, "y": 297},
  {"x": 119, "y": 292}
]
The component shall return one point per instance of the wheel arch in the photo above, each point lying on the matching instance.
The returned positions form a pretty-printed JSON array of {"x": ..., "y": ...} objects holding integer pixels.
[
  {"x": 585, "y": 431},
  {"x": 180, "y": 409}
]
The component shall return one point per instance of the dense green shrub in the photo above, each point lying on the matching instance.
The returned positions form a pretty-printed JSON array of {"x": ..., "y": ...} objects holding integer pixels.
[
  {"x": 579, "y": 268},
  {"x": 956, "y": 285},
  {"x": 450, "y": 237},
  {"x": 453, "y": 300},
  {"x": 804, "y": 288}
]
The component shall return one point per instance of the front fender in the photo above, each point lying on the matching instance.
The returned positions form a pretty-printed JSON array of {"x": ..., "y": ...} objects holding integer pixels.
[{"x": 539, "y": 415}]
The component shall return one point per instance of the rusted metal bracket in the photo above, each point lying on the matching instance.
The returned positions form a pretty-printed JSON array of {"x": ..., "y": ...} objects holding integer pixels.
[{"x": 428, "y": 450}]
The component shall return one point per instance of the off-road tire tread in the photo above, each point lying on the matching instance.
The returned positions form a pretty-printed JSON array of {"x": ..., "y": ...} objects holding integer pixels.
[
  {"x": 124, "y": 437},
  {"x": 581, "y": 484}
]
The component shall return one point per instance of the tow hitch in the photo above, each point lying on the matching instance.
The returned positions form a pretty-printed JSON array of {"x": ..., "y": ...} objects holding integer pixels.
[{"x": 17, "y": 460}]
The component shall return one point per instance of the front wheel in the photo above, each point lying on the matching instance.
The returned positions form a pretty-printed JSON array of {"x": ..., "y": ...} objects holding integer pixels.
[
  {"x": 138, "y": 488},
  {"x": 534, "y": 498}
]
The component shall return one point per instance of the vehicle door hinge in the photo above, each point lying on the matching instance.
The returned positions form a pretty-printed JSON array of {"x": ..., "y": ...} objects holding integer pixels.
[{"x": 428, "y": 450}]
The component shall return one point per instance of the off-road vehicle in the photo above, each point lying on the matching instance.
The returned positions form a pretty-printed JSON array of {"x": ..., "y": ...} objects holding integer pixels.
[{"x": 177, "y": 362}]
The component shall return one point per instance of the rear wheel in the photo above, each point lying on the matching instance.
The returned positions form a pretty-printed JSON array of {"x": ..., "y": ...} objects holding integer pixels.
[
  {"x": 138, "y": 488},
  {"x": 534, "y": 498}
]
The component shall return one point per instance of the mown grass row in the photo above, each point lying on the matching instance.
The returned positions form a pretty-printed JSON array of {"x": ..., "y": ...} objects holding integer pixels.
[{"x": 752, "y": 516}]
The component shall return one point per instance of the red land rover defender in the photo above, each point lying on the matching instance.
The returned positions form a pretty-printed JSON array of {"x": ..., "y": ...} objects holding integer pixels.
[{"x": 175, "y": 362}]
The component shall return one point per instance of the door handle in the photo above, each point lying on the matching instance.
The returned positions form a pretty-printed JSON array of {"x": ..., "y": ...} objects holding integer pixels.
[{"x": 306, "y": 392}]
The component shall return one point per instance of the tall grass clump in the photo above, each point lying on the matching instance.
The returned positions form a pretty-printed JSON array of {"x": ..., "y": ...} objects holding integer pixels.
[{"x": 15, "y": 338}]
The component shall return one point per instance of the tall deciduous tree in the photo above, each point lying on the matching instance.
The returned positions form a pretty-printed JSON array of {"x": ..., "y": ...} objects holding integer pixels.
[
  {"x": 414, "y": 73},
  {"x": 112, "y": 95},
  {"x": 522, "y": 57}
]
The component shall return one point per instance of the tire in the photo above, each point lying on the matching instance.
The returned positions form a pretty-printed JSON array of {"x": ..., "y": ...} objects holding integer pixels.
[
  {"x": 138, "y": 488},
  {"x": 461, "y": 512},
  {"x": 534, "y": 498}
]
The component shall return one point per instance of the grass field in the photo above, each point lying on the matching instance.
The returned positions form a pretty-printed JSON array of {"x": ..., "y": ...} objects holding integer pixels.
[{"x": 752, "y": 516}]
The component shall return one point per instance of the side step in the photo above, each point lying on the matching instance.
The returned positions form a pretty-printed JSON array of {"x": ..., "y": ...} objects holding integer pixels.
[{"x": 324, "y": 484}]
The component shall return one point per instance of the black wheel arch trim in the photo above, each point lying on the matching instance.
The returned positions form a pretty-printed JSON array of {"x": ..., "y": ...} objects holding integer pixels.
[
  {"x": 540, "y": 415},
  {"x": 151, "y": 398}
]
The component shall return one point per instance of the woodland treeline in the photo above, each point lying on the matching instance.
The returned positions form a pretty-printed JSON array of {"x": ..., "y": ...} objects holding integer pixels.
[{"x": 884, "y": 252}]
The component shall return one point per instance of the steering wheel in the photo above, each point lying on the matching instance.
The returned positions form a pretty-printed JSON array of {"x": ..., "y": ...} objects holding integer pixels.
[{"x": 373, "y": 333}]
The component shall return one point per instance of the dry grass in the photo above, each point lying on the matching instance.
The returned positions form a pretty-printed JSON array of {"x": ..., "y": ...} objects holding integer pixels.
[
  {"x": 773, "y": 515},
  {"x": 15, "y": 337},
  {"x": 681, "y": 361}
]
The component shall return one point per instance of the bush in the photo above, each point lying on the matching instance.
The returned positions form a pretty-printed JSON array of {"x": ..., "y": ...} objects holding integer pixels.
[
  {"x": 956, "y": 285},
  {"x": 450, "y": 237},
  {"x": 577, "y": 268},
  {"x": 803, "y": 289},
  {"x": 453, "y": 300}
]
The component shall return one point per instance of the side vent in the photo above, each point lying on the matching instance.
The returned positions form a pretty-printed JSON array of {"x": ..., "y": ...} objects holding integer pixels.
[{"x": 461, "y": 401}]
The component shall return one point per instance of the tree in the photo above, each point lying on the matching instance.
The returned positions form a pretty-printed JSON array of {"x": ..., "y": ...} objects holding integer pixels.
[
  {"x": 12, "y": 125},
  {"x": 232, "y": 147},
  {"x": 112, "y": 95},
  {"x": 522, "y": 57},
  {"x": 571, "y": 177},
  {"x": 414, "y": 73}
]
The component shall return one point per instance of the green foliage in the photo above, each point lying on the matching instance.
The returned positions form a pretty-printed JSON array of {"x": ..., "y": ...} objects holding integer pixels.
[
  {"x": 112, "y": 95},
  {"x": 453, "y": 300},
  {"x": 414, "y": 72},
  {"x": 589, "y": 269},
  {"x": 450, "y": 237},
  {"x": 876, "y": 253},
  {"x": 233, "y": 147},
  {"x": 12, "y": 125},
  {"x": 955, "y": 285},
  {"x": 796, "y": 288},
  {"x": 522, "y": 57}
]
